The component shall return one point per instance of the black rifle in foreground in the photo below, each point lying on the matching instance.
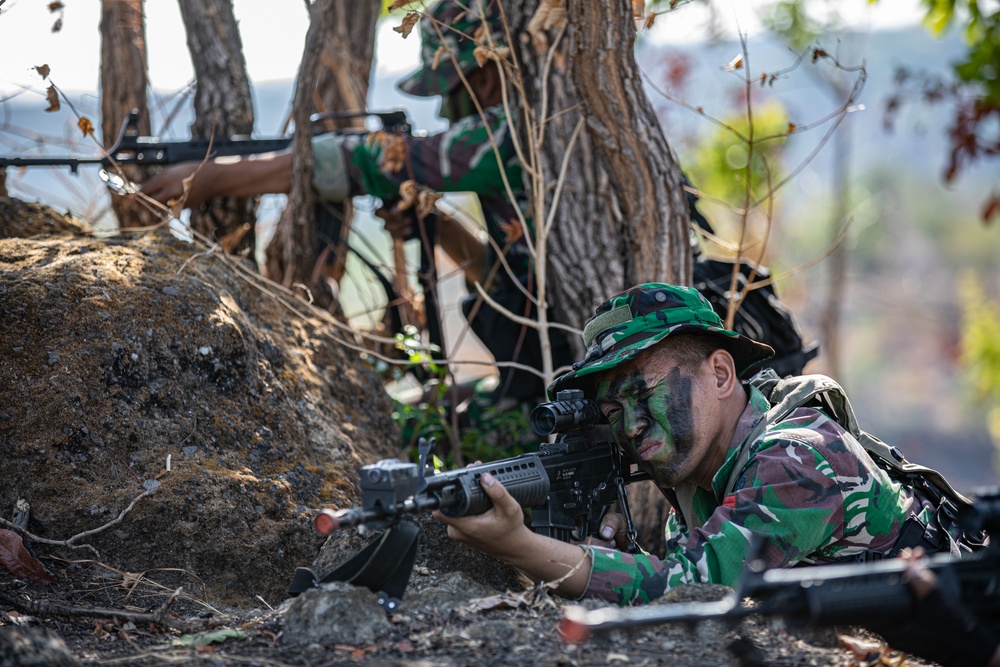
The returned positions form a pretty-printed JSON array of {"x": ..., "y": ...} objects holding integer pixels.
[
  {"x": 131, "y": 148},
  {"x": 826, "y": 595},
  {"x": 567, "y": 486}
]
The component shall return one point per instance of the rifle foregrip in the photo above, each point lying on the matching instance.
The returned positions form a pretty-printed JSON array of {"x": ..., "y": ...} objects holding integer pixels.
[{"x": 524, "y": 477}]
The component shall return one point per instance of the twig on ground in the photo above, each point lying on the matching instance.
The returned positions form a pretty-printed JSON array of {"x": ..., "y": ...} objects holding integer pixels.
[
  {"x": 158, "y": 617},
  {"x": 87, "y": 533}
]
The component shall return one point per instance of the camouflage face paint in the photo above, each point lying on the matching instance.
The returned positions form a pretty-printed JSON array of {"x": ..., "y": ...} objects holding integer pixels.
[{"x": 651, "y": 419}]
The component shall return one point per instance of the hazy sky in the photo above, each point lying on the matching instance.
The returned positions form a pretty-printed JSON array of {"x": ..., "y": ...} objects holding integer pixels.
[{"x": 272, "y": 33}]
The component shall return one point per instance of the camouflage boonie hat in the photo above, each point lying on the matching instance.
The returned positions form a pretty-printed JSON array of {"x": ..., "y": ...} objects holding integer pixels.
[
  {"x": 635, "y": 320},
  {"x": 460, "y": 24}
]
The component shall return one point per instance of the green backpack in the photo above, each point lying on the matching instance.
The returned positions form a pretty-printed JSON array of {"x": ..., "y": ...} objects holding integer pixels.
[{"x": 823, "y": 393}]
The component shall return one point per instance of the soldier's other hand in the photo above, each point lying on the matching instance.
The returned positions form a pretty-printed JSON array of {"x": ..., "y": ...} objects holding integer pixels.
[
  {"x": 168, "y": 185},
  {"x": 496, "y": 531},
  {"x": 939, "y": 627},
  {"x": 613, "y": 533}
]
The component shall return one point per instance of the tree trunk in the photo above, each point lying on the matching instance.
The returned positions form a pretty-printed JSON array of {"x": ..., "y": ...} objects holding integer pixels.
[
  {"x": 223, "y": 108},
  {"x": 123, "y": 88},
  {"x": 334, "y": 76},
  {"x": 622, "y": 217}
]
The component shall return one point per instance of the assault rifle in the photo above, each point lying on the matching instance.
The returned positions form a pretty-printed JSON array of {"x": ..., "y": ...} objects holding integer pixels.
[
  {"x": 843, "y": 594},
  {"x": 567, "y": 486},
  {"x": 131, "y": 148}
]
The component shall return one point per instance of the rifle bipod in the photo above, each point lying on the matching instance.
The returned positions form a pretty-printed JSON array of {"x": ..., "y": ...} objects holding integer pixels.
[{"x": 383, "y": 567}]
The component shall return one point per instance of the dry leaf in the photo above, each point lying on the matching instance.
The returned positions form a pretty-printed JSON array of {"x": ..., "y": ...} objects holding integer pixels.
[
  {"x": 57, "y": 26},
  {"x": 15, "y": 559},
  {"x": 229, "y": 243},
  {"x": 791, "y": 128},
  {"x": 819, "y": 53},
  {"x": 426, "y": 201},
  {"x": 85, "y": 126},
  {"x": 52, "y": 95},
  {"x": 734, "y": 64},
  {"x": 494, "y": 602},
  {"x": 512, "y": 231},
  {"x": 395, "y": 151},
  {"x": 43, "y": 71},
  {"x": 650, "y": 20},
  {"x": 55, "y": 6},
  {"x": 406, "y": 27},
  {"x": 408, "y": 191},
  {"x": 483, "y": 54},
  {"x": 864, "y": 652},
  {"x": 400, "y": 3}
]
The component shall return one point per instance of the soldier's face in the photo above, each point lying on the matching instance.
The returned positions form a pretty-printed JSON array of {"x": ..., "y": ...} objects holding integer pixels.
[{"x": 654, "y": 408}]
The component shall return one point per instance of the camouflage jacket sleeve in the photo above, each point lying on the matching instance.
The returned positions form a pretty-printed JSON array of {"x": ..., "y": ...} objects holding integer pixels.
[
  {"x": 808, "y": 486},
  {"x": 461, "y": 159}
]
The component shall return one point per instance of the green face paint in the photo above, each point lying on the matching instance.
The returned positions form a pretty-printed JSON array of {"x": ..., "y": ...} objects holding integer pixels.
[{"x": 651, "y": 420}]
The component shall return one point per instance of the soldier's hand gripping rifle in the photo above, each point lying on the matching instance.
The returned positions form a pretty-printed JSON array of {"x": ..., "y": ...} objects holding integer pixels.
[
  {"x": 567, "y": 486},
  {"x": 875, "y": 595}
]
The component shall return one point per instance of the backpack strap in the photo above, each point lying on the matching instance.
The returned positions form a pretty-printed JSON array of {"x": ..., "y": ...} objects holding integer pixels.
[{"x": 788, "y": 394}]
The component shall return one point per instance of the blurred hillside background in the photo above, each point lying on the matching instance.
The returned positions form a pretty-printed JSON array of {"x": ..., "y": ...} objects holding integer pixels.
[{"x": 913, "y": 244}]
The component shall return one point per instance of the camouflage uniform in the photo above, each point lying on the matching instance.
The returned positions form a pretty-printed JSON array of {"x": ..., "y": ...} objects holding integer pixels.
[
  {"x": 808, "y": 485},
  {"x": 460, "y": 159},
  {"x": 471, "y": 156}
]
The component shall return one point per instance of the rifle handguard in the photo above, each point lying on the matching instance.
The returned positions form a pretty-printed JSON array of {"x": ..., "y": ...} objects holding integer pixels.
[{"x": 461, "y": 494}]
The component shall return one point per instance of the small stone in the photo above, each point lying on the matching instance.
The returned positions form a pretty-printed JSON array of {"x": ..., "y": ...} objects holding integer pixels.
[{"x": 205, "y": 350}]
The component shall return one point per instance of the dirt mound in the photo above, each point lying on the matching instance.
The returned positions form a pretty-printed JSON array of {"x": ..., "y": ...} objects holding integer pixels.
[
  {"x": 25, "y": 220},
  {"x": 131, "y": 366}
]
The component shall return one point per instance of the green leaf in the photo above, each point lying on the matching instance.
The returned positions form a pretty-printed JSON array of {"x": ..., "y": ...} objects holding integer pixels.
[{"x": 206, "y": 638}]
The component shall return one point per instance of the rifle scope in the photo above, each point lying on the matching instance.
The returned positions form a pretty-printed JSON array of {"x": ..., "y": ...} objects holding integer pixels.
[{"x": 569, "y": 412}]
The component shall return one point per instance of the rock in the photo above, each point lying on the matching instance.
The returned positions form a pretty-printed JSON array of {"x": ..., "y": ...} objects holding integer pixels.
[
  {"x": 448, "y": 592},
  {"x": 335, "y": 613},
  {"x": 33, "y": 647}
]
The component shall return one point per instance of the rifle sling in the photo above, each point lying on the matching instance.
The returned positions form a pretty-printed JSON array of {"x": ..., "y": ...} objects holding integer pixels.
[{"x": 383, "y": 567}]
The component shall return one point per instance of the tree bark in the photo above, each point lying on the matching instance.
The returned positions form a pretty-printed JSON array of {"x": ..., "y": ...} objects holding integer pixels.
[
  {"x": 123, "y": 88},
  {"x": 223, "y": 108},
  {"x": 334, "y": 76},
  {"x": 622, "y": 217}
]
